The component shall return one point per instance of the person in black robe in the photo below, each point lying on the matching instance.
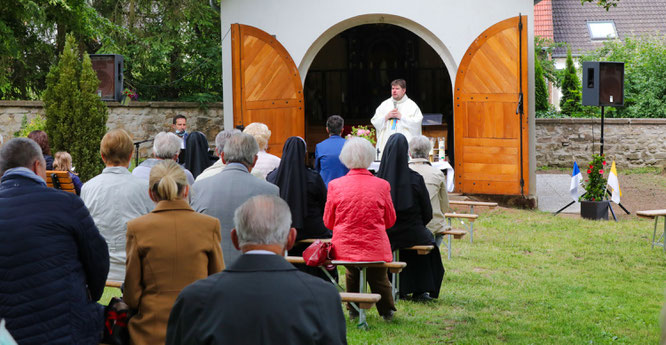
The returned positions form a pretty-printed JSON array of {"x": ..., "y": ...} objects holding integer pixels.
[
  {"x": 197, "y": 153},
  {"x": 424, "y": 273},
  {"x": 305, "y": 192}
]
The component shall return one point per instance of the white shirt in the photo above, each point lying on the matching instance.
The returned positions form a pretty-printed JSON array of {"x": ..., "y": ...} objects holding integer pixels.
[
  {"x": 113, "y": 198},
  {"x": 266, "y": 162},
  {"x": 212, "y": 170},
  {"x": 409, "y": 124}
]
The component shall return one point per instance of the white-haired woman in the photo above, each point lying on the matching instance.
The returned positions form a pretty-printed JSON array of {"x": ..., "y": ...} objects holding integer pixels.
[
  {"x": 359, "y": 210},
  {"x": 266, "y": 162},
  {"x": 167, "y": 249}
]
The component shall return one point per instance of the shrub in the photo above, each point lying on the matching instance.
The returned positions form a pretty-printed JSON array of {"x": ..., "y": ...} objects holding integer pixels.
[
  {"x": 571, "y": 90},
  {"x": 75, "y": 115},
  {"x": 595, "y": 185},
  {"x": 37, "y": 123},
  {"x": 540, "y": 89}
]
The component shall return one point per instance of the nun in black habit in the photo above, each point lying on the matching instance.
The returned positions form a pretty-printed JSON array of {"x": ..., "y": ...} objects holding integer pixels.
[
  {"x": 424, "y": 273},
  {"x": 305, "y": 192},
  {"x": 197, "y": 153}
]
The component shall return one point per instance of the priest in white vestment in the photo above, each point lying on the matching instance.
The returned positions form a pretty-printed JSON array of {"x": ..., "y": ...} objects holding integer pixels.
[{"x": 398, "y": 114}]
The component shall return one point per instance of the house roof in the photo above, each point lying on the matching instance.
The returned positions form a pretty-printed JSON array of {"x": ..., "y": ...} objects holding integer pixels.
[
  {"x": 543, "y": 19},
  {"x": 631, "y": 17}
]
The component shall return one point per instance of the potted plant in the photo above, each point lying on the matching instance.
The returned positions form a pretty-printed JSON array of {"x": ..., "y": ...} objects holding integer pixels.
[
  {"x": 593, "y": 204},
  {"x": 128, "y": 96}
]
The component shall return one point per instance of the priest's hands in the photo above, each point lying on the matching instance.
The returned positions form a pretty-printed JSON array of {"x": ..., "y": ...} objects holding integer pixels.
[{"x": 393, "y": 114}]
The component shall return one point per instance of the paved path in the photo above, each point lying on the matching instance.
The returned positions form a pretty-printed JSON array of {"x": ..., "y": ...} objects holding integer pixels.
[{"x": 553, "y": 193}]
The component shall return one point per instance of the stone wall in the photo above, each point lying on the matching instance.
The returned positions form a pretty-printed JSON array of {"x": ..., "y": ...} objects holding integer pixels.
[
  {"x": 631, "y": 143},
  {"x": 141, "y": 119}
]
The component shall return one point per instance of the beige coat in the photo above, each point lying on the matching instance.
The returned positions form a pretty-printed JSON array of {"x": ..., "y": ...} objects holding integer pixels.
[
  {"x": 435, "y": 182},
  {"x": 167, "y": 249}
]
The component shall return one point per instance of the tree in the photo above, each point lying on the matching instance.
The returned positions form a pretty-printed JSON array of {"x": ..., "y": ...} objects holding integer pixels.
[
  {"x": 570, "y": 103},
  {"x": 540, "y": 89},
  {"x": 75, "y": 115},
  {"x": 607, "y": 4}
]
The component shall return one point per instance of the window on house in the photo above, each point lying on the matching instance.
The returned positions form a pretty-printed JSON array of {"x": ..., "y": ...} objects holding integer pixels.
[{"x": 602, "y": 30}]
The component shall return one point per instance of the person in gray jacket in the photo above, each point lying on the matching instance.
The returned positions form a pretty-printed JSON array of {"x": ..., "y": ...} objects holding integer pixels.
[{"x": 220, "y": 195}]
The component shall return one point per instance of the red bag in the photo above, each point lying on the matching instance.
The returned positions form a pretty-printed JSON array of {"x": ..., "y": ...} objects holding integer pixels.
[{"x": 318, "y": 253}]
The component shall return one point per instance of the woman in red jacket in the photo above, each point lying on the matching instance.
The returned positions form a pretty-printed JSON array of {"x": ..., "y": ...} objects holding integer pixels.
[{"x": 359, "y": 210}]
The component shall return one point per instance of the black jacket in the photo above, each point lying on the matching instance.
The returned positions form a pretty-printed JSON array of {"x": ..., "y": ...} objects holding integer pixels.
[
  {"x": 409, "y": 229},
  {"x": 53, "y": 265},
  {"x": 260, "y": 299}
]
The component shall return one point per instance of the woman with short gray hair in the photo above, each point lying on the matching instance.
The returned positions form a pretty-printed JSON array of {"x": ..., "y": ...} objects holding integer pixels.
[{"x": 359, "y": 210}]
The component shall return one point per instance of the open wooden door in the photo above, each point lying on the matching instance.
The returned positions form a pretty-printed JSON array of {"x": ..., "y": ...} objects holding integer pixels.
[
  {"x": 266, "y": 85},
  {"x": 491, "y": 80}
]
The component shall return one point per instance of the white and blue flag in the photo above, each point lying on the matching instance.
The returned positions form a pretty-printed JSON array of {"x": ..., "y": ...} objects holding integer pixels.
[{"x": 576, "y": 178}]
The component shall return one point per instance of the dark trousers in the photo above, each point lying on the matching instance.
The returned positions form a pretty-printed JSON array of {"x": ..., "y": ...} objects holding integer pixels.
[{"x": 378, "y": 279}]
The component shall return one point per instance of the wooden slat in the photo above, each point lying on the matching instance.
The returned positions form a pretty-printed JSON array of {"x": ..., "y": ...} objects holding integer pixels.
[
  {"x": 470, "y": 217},
  {"x": 651, "y": 213},
  {"x": 421, "y": 250},
  {"x": 311, "y": 240},
  {"x": 114, "y": 284},
  {"x": 475, "y": 203},
  {"x": 363, "y": 300},
  {"x": 457, "y": 234}
]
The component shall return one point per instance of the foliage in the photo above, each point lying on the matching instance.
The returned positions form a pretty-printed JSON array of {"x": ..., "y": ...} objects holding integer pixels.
[
  {"x": 131, "y": 94},
  {"x": 607, "y": 4},
  {"x": 540, "y": 89},
  {"x": 571, "y": 89},
  {"x": 595, "y": 184},
  {"x": 363, "y": 132},
  {"x": 33, "y": 35},
  {"x": 644, "y": 74},
  {"x": 543, "y": 50},
  {"x": 75, "y": 115},
  {"x": 37, "y": 123}
]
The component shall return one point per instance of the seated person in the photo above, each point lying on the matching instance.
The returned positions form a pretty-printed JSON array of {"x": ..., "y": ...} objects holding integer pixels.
[
  {"x": 359, "y": 210},
  {"x": 217, "y": 167},
  {"x": 261, "y": 298},
  {"x": 424, "y": 273},
  {"x": 197, "y": 157},
  {"x": 327, "y": 152},
  {"x": 266, "y": 162},
  {"x": 435, "y": 181},
  {"x": 63, "y": 162},
  {"x": 166, "y": 145},
  {"x": 42, "y": 139},
  {"x": 53, "y": 261}
]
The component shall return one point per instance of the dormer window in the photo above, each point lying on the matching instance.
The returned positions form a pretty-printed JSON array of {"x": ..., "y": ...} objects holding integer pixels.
[{"x": 602, "y": 30}]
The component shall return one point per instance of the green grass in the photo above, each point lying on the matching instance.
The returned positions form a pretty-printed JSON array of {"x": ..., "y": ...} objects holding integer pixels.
[
  {"x": 532, "y": 278},
  {"x": 642, "y": 170}
]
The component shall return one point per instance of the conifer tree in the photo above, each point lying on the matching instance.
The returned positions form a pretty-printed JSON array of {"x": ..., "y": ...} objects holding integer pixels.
[
  {"x": 540, "y": 89},
  {"x": 570, "y": 103},
  {"x": 75, "y": 115}
]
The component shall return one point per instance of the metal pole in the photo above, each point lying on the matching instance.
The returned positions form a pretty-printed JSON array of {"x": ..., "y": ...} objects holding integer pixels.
[{"x": 602, "y": 131}]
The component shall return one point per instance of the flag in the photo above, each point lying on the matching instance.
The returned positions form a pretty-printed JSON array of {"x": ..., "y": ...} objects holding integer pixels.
[
  {"x": 614, "y": 184},
  {"x": 576, "y": 177}
]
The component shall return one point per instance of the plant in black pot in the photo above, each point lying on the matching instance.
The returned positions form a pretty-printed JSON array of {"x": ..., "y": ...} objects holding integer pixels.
[{"x": 593, "y": 204}]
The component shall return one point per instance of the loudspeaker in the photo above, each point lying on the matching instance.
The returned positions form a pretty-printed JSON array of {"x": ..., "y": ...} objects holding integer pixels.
[
  {"x": 109, "y": 68},
  {"x": 603, "y": 83}
]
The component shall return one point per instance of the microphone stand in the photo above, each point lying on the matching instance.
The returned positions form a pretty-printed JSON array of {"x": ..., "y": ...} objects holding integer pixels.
[{"x": 136, "y": 149}]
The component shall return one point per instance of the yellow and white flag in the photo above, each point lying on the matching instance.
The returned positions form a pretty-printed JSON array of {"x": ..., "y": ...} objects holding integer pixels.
[{"x": 614, "y": 184}]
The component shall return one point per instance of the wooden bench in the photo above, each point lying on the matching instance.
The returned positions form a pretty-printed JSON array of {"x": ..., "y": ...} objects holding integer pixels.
[
  {"x": 395, "y": 277},
  {"x": 113, "y": 284},
  {"x": 463, "y": 217},
  {"x": 393, "y": 267},
  {"x": 60, "y": 180},
  {"x": 311, "y": 240},
  {"x": 362, "y": 300},
  {"x": 456, "y": 234},
  {"x": 655, "y": 214}
]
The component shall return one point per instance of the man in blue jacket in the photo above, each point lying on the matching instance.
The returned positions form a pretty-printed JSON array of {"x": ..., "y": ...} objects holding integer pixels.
[
  {"x": 53, "y": 261},
  {"x": 327, "y": 152}
]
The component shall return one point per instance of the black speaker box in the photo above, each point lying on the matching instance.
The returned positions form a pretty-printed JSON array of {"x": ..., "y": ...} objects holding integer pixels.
[
  {"x": 603, "y": 83},
  {"x": 109, "y": 68}
]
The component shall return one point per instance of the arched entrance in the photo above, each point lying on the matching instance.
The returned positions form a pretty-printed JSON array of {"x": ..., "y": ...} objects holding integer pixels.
[{"x": 351, "y": 74}]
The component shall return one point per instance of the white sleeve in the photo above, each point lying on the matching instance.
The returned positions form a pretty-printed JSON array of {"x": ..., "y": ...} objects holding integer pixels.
[
  {"x": 412, "y": 121},
  {"x": 379, "y": 119}
]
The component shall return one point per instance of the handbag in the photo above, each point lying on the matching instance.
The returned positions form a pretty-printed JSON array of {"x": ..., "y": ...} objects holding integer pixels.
[
  {"x": 116, "y": 318},
  {"x": 318, "y": 253}
]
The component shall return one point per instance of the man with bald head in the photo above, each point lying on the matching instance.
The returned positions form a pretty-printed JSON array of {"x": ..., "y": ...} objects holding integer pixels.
[{"x": 53, "y": 261}]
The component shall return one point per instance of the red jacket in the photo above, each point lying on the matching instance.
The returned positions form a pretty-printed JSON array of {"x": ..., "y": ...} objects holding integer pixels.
[{"x": 359, "y": 210}]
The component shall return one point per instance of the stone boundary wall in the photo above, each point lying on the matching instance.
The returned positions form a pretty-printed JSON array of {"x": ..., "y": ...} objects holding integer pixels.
[
  {"x": 632, "y": 143},
  {"x": 141, "y": 119}
]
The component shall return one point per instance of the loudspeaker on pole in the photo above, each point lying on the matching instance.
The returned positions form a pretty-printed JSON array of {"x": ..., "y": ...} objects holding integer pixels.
[
  {"x": 109, "y": 68},
  {"x": 603, "y": 83}
]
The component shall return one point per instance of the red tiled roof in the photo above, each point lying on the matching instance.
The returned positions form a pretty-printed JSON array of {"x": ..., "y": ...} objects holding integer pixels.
[{"x": 543, "y": 19}]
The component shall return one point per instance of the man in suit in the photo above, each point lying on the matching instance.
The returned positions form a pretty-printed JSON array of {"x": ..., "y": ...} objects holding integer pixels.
[
  {"x": 327, "y": 152},
  {"x": 261, "y": 298},
  {"x": 220, "y": 195}
]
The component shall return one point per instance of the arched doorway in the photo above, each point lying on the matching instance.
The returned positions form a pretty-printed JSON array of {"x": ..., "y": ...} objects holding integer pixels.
[{"x": 351, "y": 74}]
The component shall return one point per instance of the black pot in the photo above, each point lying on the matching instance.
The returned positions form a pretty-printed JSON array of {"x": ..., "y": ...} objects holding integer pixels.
[{"x": 594, "y": 210}]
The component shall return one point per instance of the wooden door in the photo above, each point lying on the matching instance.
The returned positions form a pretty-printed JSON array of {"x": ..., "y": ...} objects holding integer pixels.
[
  {"x": 487, "y": 126},
  {"x": 266, "y": 85}
]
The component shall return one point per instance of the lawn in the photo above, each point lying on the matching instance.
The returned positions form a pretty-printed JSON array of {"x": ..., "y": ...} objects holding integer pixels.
[{"x": 531, "y": 278}]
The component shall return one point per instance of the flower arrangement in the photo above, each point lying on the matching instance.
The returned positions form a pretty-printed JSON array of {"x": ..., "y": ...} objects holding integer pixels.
[
  {"x": 363, "y": 132},
  {"x": 131, "y": 94},
  {"x": 595, "y": 184}
]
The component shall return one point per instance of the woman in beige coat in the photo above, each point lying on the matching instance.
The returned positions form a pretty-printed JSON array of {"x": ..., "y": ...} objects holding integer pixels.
[{"x": 167, "y": 249}]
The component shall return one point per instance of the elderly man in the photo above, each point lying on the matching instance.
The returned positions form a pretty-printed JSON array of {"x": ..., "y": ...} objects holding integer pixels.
[
  {"x": 217, "y": 167},
  {"x": 53, "y": 261},
  {"x": 398, "y": 114},
  {"x": 327, "y": 152},
  {"x": 261, "y": 298},
  {"x": 166, "y": 145},
  {"x": 220, "y": 195},
  {"x": 115, "y": 197},
  {"x": 419, "y": 148}
]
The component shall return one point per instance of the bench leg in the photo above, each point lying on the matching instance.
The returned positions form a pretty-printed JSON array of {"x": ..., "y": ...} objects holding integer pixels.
[
  {"x": 471, "y": 226},
  {"x": 361, "y": 312},
  {"x": 395, "y": 279},
  {"x": 664, "y": 236},
  {"x": 654, "y": 232},
  {"x": 448, "y": 246}
]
